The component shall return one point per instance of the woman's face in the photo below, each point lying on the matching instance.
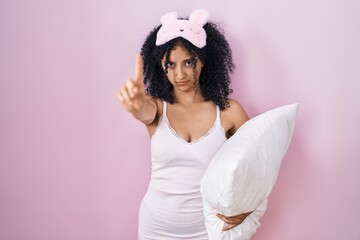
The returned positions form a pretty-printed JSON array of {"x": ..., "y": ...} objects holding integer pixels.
[{"x": 180, "y": 70}]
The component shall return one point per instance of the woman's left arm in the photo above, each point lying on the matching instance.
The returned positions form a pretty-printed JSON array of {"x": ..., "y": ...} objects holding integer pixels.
[{"x": 233, "y": 117}]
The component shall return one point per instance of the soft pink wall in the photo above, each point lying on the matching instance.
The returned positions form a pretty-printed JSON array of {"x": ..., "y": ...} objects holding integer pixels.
[{"x": 74, "y": 165}]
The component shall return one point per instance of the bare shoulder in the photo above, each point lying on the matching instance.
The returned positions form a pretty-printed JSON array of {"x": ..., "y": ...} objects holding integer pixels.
[
  {"x": 234, "y": 107},
  {"x": 159, "y": 105},
  {"x": 159, "y": 110},
  {"x": 233, "y": 116}
]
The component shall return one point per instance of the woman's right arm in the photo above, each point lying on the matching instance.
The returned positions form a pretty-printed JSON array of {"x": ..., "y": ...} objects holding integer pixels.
[{"x": 133, "y": 98}]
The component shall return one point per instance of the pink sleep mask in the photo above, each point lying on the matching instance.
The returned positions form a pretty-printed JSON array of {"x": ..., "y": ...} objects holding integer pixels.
[{"x": 191, "y": 30}]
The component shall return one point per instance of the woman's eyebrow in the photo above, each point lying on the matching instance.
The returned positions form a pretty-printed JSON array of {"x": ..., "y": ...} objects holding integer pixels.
[
  {"x": 189, "y": 59},
  {"x": 185, "y": 60}
]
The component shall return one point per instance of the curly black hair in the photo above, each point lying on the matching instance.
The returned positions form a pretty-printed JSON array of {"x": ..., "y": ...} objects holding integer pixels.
[{"x": 214, "y": 79}]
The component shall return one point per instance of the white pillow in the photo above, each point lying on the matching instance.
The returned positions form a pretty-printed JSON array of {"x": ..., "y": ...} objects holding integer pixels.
[{"x": 244, "y": 170}]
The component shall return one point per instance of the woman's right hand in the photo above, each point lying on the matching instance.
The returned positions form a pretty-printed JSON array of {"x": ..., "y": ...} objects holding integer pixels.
[{"x": 132, "y": 95}]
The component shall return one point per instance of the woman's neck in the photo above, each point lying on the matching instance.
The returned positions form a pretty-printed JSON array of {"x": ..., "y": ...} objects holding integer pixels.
[{"x": 186, "y": 98}]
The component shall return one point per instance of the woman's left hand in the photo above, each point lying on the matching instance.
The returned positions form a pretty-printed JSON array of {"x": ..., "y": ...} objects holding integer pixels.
[{"x": 232, "y": 221}]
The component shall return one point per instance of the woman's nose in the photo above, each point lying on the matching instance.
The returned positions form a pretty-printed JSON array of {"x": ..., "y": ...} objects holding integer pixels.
[{"x": 180, "y": 74}]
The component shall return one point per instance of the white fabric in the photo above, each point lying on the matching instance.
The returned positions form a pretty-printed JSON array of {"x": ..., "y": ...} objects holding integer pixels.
[
  {"x": 172, "y": 206},
  {"x": 244, "y": 170}
]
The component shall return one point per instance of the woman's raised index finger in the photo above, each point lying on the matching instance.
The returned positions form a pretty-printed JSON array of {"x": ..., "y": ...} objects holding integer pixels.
[{"x": 139, "y": 68}]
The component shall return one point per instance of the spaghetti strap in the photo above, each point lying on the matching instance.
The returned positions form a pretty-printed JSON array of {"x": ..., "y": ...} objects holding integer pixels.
[
  {"x": 218, "y": 120},
  {"x": 218, "y": 115},
  {"x": 164, "y": 108}
]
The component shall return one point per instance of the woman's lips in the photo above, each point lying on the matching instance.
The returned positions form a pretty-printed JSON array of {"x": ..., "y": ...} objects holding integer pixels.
[{"x": 181, "y": 83}]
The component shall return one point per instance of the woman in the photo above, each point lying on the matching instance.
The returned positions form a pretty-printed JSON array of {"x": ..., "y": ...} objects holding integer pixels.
[{"x": 180, "y": 92}]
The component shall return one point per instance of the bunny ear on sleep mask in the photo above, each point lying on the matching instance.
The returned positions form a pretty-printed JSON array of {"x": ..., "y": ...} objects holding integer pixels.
[{"x": 191, "y": 30}]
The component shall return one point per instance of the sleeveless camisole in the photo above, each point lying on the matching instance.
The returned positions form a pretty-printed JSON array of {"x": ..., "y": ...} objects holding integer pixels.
[{"x": 172, "y": 206}]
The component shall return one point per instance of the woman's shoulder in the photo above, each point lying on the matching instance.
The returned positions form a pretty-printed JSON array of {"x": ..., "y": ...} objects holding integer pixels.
[
  {"x": 159, "y": 104},
  {"x": 233, "y": 107},
  {"x": 159, "y": 111},
  {"x": 233, "y": 116}
]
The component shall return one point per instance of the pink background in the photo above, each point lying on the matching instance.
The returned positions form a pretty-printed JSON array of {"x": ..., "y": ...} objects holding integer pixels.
[{"x": 75, "y": 165}]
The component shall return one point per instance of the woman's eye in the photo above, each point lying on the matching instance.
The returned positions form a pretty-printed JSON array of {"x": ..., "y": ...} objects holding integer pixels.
[
  {"x": 169, "y": 65},
  {"x": 189, "y": 63}
]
